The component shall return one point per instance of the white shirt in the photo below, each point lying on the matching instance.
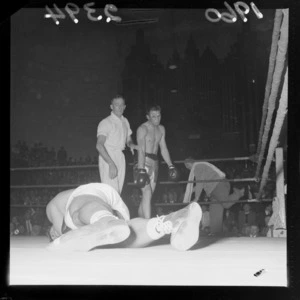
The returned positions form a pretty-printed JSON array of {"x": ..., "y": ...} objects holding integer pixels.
[
  {"x": 116, "y": 130},
  {"x": 202, "y": 171}
]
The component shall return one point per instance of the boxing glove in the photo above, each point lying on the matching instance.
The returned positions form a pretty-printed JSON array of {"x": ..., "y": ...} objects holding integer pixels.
[
  {"x": 173, "y": 173},
  {"x": 141, "y": 178}
]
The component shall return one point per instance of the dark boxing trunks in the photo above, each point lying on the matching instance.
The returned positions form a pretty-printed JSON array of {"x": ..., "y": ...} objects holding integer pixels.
[
  {"x": 149, "y": 155},
  {"x": 150, "y": 165},
  {"x": 152, "y": 156}
]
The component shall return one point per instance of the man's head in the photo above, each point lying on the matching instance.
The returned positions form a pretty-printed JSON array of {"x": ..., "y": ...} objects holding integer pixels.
[
  {"x": 188, "y": 162},
  {"x": 246, "y": 208},
  {"x": 154, "y": 114},
  {"x": 239, "y": 188},
  {"x": 118, "y": 105}
]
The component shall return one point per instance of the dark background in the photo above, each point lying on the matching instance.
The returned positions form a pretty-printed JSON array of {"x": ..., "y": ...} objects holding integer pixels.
[{"x": 63, "y": 78}]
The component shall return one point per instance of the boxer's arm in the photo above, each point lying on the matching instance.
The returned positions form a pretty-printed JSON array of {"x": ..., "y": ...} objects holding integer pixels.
[
  {"x": 163, "y": 148},
  {"x": 141, "y": 143},
  {"x": 130, "y": 144}
]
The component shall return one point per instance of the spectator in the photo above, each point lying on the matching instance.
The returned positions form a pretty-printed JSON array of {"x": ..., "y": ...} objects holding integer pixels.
[
  {"x": 268, "y": 214},
  {"x": 62, "y": 156},
  {"x": 247, "y": 221},
  {"x": 80, "y": 161},
  {"x": 136, "y": 197},
  {"x": 172, "y": 196},
  {"x": 16, "y": 227},
  {"x": 229, "y": 223},
  {"x": 159, "y": 211},
  {"x": 70, "y": 161},
  {"x": 180, "y": 194},
  {"x": 165, "y": 198},
  {"x": 88, "y": 160},
  {"x": 27, "y": 217},
  {"x": 52, "y": 157}
]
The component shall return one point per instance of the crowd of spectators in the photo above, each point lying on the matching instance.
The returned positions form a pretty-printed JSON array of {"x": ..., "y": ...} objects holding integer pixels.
[
  {"x": 31, "y": 221},
  {"x": 28, "y": 204},
  {"x": 39, "y": 155}
]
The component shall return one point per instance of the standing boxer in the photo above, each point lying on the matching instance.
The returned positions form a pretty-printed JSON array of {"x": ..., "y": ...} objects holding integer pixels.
[
  {"x": 113, "y": 134},
  {"x": 150, "y": 136},
  {"x": 94, "y": 215},
  {"x": 216, "y": 191}
]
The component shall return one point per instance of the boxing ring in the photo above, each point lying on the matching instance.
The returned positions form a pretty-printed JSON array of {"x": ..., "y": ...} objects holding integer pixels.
[
  {"x": 222, "y": 261},
  {"x": 212, "y": 261}
]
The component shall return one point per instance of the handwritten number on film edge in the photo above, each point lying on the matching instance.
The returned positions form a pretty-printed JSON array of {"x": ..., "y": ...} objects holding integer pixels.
[
  {"x": 90, "y": 11},
  {"x": 72, "y": 10},
  {"x": 241, "y": 8},
  {"x": 54, "y": 16}
]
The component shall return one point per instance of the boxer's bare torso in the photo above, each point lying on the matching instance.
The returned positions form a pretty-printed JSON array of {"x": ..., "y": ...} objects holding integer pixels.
[{"x": 152, "y": 136}]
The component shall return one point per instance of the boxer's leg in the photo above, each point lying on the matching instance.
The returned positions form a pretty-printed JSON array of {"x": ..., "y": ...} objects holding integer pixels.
[
  {"x": 183, "y": 226},
  {"x": 144, "y": 210},
  {"x": 97, "y": 226}
]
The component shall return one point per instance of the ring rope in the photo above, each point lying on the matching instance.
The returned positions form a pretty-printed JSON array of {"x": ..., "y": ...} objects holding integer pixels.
[
  {"x": 131, "y": 183},
  {"x": 54, "y": 168},
  {"x": 214, "y": 159},
  {"x": 96, "y": 166},
  {"x": 29, "y": 205},
  {"x": 163, "y": 204},
  {"x": 45, "y": 186},
  {"x": 214, "y": 202},
  {"x": 208, "y": 180}
]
